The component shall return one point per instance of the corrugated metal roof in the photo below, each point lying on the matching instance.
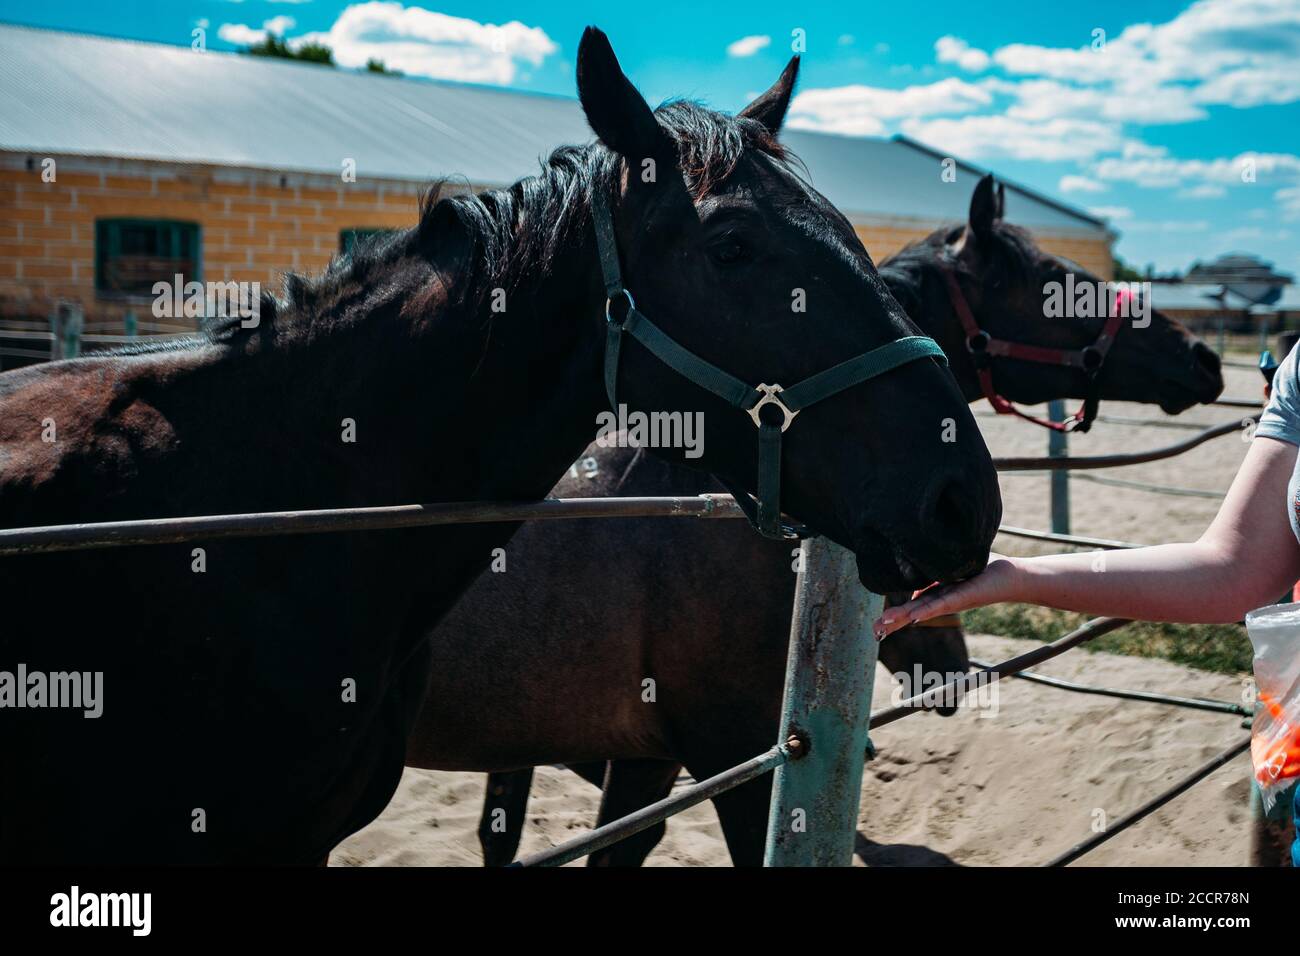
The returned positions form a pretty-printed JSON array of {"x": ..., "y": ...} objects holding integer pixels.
[
  {"x": 1185, "y": 295},
  {"x": 1206, "y": 296},
  {"x": 77, "y": 94}
]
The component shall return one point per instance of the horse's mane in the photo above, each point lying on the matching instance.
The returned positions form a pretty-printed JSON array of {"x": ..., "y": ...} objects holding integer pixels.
[
  {"x": 1008, "y": 254},
  {"x": 520, "y": 230},
  {"x": 513, "y": 233}
]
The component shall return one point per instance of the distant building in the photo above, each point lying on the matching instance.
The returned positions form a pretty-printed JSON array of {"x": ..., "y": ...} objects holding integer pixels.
[
  {"x": 1236, "y": 293},
  {"x": 225, "y": 167}
]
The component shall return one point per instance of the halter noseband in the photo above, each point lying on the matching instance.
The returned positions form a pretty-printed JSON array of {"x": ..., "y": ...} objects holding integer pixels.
[
  {"x": 765, "y": 515},
  {"x": 984, "y": 348}
]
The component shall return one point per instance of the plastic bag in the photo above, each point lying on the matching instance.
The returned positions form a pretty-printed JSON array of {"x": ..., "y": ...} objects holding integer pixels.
[{"x": 1275, "y": 735}]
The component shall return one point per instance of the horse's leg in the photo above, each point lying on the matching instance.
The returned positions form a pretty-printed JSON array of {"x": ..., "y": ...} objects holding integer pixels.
[
  {"x": 593, "y": 772},
  {"x": 629, "y": 786},
  {"x": 743, "y": 814},
  {"x": 502, "y": 824}
]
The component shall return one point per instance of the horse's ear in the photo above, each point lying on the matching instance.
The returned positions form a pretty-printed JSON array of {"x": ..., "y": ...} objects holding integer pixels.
[
  {"x": 983, "y": 207},
  {"x": 770, "y": 108},
  {"x": 1002, "y": 201},
  {"x": 616, "y": 112}
]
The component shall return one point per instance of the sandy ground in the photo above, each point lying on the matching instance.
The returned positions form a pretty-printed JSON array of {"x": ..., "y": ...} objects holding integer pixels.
[
  {"x": 1126, "y": 514},
  {"x": 1012, "y": 785}
]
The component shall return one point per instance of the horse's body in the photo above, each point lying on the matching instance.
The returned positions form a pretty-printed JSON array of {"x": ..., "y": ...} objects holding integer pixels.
[
  {"x": 586, "y": 611},
  {"x": 257, "y": 693}
]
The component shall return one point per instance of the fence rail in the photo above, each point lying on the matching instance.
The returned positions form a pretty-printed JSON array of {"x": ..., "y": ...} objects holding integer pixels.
[
  {"x": 833, "y": 627},
  {"x": 1119, "y": 459}
]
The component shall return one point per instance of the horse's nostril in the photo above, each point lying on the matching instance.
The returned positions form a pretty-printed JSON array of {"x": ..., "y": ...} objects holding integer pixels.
[
  {"x": 951, "y": 509},
  {"x": 1207, "y": 358}
]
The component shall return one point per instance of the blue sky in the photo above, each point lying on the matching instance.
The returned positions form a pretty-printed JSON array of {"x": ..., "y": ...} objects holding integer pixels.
[{"x": 1179, "y": 122}]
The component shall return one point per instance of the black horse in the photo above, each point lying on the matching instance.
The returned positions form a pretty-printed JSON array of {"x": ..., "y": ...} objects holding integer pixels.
[
  {"x": 587, "y": 611},
  {"x": 258, "y": 694}
]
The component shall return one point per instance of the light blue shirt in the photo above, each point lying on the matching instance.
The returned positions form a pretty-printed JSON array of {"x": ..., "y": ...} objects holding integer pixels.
[{"x": 1281, "y": 420}]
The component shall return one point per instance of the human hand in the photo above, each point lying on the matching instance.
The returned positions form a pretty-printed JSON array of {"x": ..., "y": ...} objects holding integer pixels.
[{"x": 992, "y": 585}]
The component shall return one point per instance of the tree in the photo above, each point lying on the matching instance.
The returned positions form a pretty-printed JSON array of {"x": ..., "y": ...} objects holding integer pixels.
[
  {"x": 1125, "y": 272},
  {"x": 275, "y": 46},
  {"x": 377, "y": 66}
]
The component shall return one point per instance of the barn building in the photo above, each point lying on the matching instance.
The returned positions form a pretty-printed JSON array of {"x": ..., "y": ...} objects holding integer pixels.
[{"x": 123, "y": 163}]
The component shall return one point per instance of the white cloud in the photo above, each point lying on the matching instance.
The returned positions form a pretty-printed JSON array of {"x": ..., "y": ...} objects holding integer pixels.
[
  {"x": 1111, "y": 212},
  {"x": 1253, "y": 86},
  {"x": 1129, "y": 102},
  {"x": 421, "y": 42},
  {"x": 748, "y": 46},
  {"x": 1080, "y": 184},
  {"x": 1169, "y": 172},
  {"x": 1235, "y": 52},
  {"x": 951, "y": 49},
  {"x": 1288, "y": 201},
  {"x": 1008, "y": 136},
  {"x": 1136, "y": 148},
  {"x": 240, "y": 34},
  {"x": 244, "y": 35},
  {"x": 279, "y": 25},
  {"x": 862, "y": 110}
]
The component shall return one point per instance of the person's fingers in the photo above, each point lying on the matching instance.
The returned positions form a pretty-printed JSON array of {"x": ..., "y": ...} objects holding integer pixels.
[
  {"x": 988, "y": 587},
  {"x": 932, "y": 602}
]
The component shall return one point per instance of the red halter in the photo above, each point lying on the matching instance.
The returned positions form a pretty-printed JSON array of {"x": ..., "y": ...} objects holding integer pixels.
[{"x": 984, "y": 348}]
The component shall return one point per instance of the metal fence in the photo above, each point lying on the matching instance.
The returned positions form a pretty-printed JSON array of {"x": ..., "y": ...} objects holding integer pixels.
[{"x": 818, "y": 756}]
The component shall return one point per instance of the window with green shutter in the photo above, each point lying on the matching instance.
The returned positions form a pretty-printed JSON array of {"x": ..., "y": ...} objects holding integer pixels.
[{"x": 132, "y": 254}]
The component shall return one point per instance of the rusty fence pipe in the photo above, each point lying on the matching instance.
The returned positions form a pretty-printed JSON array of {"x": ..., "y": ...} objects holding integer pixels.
[
  {"x": 954, "y": 689},
  {"x": 1088, "y": 462},
  {"x": 646, "y": 817},
  {"x": 830, "y": 671},
  {"x": 153, "y": 531}
]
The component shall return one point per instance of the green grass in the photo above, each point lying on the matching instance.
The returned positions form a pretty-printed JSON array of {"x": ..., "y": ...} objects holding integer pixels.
[{"x": 1223, "y": 648}]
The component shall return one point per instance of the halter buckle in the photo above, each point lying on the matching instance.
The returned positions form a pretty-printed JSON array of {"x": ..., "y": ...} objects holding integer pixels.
[
  {"x": 770, "y": 397},
  {"x": 631, "y": 304}
]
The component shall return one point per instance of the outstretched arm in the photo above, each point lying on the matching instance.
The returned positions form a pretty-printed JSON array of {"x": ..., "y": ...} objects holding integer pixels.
[{"x": 1246, "y": 559}]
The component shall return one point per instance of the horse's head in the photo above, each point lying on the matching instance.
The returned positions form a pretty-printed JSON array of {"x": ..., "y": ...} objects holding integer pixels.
[
  {"x": 1019, "y": 293},
  {"x": 740, "y": 261}
]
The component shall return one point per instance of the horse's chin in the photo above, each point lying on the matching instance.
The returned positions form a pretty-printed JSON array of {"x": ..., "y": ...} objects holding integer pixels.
[
  {"x": 1176, "y": 407},
  {"x": 884, "y": 566}
]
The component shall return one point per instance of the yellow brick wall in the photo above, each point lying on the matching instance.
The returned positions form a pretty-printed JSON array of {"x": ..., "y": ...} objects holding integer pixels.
[
  {"x": 1093, "y": 253},
  {"x": 254, "y": 226}
]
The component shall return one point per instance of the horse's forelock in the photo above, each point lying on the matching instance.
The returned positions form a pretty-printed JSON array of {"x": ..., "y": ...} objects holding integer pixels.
[{"x": 710, "y": 145}]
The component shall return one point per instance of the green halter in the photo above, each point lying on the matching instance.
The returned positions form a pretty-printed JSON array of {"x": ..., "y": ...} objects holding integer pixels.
[{"x": 766, "y": 515}]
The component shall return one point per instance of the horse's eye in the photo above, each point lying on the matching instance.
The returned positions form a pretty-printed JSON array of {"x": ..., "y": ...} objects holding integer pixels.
[{"x": 727, "y": 251}]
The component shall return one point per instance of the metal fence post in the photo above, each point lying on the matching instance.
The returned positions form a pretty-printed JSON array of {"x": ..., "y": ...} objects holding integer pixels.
[
  {"x": 829, "y": 676},
  {"x": 56, "y": 333},
  {"x": 1058, "y": 446}
]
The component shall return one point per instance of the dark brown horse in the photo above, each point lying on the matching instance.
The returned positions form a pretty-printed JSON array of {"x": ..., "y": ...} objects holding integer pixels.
[
  {"x": 587, "y": 611},
  {"x": 258, "y": 694}
]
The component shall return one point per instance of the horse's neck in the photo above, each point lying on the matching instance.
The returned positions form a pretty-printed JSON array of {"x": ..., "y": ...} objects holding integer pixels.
[
  {"x": 532, "y": 381},
  {"x": 421, "y": 400}
]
